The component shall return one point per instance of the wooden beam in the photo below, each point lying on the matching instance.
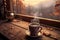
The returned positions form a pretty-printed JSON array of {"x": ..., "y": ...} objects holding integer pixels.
[{"x": 46, "y": 21}]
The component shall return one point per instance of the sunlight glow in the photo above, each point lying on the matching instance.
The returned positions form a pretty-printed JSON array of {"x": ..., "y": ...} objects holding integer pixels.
[{"x": 35, "y": 2}]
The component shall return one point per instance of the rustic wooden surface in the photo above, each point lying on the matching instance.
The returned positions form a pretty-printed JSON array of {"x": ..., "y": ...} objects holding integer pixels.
[{"x": 16, "y": 30}]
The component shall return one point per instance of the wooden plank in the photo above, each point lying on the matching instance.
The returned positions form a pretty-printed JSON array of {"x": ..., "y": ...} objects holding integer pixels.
[{"x": 47, "y": 21}]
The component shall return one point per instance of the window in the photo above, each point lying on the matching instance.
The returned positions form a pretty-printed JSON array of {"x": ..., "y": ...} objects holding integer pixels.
[{"x": 40, "y": 8}]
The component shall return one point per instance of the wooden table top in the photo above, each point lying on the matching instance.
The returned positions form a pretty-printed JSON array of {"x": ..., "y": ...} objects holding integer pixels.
[{"x": 16, "y": 30}]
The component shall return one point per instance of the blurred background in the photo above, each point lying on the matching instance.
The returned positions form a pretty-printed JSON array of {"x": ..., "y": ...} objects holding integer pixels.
[{"x": 44, "y": 8}]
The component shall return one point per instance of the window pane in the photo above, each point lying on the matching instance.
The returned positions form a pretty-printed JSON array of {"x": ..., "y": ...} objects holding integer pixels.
[{"x": 40, "y": 8}]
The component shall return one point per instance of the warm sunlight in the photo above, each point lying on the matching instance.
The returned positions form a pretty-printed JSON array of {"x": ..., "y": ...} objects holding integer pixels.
[
  {"x": 35, "y": 2},
  {"x": 31, "y": 2}
]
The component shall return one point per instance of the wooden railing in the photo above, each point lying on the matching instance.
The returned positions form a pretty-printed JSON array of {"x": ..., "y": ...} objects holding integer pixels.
[{"x": 47, "y": 21}]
